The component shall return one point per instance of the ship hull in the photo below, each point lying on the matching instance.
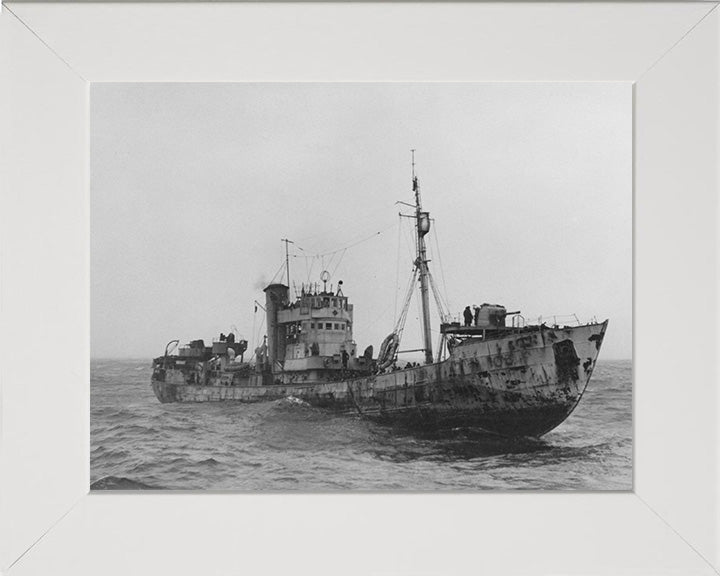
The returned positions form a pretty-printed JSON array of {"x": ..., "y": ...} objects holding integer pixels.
[{"x": 522, "y": 384}]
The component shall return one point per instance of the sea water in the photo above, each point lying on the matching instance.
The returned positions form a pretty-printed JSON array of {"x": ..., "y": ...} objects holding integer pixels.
[{"x": 287, "y": 445}]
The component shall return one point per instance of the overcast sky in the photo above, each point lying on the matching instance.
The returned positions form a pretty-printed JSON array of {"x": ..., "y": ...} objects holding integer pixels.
[{"x": 194, "y": 185}]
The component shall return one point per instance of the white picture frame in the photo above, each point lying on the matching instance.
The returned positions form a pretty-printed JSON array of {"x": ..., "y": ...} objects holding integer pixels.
[{"x": 51, "y": 524}]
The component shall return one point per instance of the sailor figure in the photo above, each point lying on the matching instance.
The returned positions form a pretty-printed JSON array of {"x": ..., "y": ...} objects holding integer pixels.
[{"x": 467, "y": 313}]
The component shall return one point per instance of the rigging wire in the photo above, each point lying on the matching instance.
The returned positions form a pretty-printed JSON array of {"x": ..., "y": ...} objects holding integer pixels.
[
  {"x": 397, "y": 265},
  {"x": 379, "y": 317},
  {"x": 323, "y": 266},
  {"x": 360, "y": 223},
  {"x": 333, "y": 254},
  {"x": 253, "y": 340},
  {"x": 256, "y": 336},
  {"x": 441, "y": 302},
  {"x": 400, "y": 324},
  {"x": 312, "y": 265},
  {"x": 442, "y": 270},
  {"x": 409, "y": 240},
  {"x": 418, "y": 322},
  {"x": 443, "y": 310},
  {"x": 282, "y": 266},
  {"x": 332, "y": 274},
  {"x": 352, "y": 244}
]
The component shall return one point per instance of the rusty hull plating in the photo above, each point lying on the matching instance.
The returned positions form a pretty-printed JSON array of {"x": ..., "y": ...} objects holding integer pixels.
[{"x": 524, "y": 383}]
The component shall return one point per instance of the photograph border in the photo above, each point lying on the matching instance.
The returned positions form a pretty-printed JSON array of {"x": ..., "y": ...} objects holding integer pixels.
[{"x": 50, "y": 53}]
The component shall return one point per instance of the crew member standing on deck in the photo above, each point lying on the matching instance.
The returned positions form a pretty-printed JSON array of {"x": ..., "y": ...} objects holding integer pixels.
[{"x": 468, "y": 316}]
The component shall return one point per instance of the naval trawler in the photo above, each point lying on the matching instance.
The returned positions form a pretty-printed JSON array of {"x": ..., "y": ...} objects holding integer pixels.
[{"x": 492, "y": 371}]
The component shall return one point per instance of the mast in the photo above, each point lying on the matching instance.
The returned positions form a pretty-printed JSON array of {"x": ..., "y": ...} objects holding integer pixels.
[
  {"x": 287, "y": 258},
  {"x": 422, "y": 226}
]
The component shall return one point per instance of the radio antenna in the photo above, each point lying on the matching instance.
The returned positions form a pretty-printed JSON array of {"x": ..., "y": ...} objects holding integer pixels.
[{"x": 287, "y": 258}]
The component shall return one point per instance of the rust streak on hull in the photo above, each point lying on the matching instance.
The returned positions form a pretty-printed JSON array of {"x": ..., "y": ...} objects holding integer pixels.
[{"x": 517, "y": 385}]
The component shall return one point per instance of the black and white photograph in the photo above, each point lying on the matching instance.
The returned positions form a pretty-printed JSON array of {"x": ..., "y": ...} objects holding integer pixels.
[{"x": 377, "y": 287}]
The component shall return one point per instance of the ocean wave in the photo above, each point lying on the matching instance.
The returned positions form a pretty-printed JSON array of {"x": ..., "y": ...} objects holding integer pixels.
[
  {"x": 292, "y": 401},
  {"x": 209, "y": 462},
  {"x": 138, "y": 443},
  {"x": 121, "y": 483},
  {"x": 133, "y": 429}
]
